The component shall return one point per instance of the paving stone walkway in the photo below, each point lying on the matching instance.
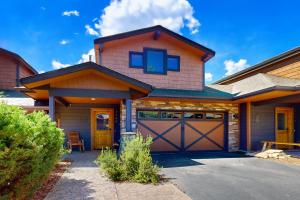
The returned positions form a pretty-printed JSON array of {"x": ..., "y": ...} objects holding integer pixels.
[{"x": 83, "y": 181}]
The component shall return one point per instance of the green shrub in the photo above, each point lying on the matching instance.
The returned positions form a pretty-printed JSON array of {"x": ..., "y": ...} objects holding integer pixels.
[
  {"x": 30, "y": 145},
  {"x": 135, "y": 162},
  {"x": 111, "y": 165}
]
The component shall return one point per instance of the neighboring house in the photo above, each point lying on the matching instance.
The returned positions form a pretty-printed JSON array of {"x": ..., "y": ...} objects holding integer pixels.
[
  {"x": 270, "y": 104},
  {"x": 12, "y": 68},
  {"x": 152, "y": 80}
]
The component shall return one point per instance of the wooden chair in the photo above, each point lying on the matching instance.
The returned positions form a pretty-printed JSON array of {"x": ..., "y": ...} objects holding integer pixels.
[{"x": 75, "y": 140}]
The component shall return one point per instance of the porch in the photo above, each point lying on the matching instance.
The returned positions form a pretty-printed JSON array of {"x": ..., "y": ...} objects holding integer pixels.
[
  {"x": 276, "y": 119},
  {"x": 90, "y": 99}
]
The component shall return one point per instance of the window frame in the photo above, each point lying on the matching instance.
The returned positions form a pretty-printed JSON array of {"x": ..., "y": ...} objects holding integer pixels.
[
  {"x": 130, "y": 59},
  {"x": 145, "y": 59},
  {"x": 177, "y": 57}
]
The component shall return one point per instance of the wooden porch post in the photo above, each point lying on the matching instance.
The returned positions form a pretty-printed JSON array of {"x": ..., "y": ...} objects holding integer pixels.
[
  {"x": 52, "y": 108},
  {"x": 128, "y": 123}
]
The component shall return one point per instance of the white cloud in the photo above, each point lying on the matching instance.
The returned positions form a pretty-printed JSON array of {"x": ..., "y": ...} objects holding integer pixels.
[
  {"x": 208, "y": 76},
  {"x": 232, "y": 67},
  {"x": 70, "y": 13},
  {"x": 64, "y": 42},
  {"x": 57, "y": 65},
  {"x": 42, "y": 8},
  {"x": 91, "y": 31},
  {"x": 125, "y": 15},
  {"x": 41, "y": 71},
  {"x": 86, "y": 56}
]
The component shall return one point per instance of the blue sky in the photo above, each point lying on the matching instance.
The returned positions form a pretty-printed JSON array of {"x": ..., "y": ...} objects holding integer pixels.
[{"x": 242, "y": 32}]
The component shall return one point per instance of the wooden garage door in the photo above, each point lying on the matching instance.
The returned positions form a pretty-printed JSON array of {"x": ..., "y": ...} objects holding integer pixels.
[{"x": 182, "y": 131}]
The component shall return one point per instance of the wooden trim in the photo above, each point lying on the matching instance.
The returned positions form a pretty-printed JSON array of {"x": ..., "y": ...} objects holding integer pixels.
[
  {"x": 92, "y": 123},
  {"x": 209, "y": 53},
  {"x": 278, "y": 100},
  {"x": 74, "y": 92},
  {"x": 86, "y": 66},
  {"x": 249, "y": 121}
]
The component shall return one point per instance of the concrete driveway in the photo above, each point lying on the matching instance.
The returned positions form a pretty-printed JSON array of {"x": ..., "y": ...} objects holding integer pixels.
[{"x": 211, "y": 176}]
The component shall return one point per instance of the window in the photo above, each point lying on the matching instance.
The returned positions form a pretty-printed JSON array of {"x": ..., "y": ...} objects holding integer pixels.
[
  {"x": 192, "y": 115},
  {"x": 281, "y": 122},
  {"x": 213, "y": 115},
  {"x": 136, "y": 59},
  {"x": 148, "y": 114},
  {"x": 173, "y": 63},
  {"x": 170, "y": 115},
  {"x": 102, "y": 122},
  {"x": 155, "y": 61}
]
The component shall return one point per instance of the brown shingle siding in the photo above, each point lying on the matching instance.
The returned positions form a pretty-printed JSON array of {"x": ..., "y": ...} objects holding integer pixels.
[
  {"x": 116, "y": 57},
  {"x": 7, "y": 73}
]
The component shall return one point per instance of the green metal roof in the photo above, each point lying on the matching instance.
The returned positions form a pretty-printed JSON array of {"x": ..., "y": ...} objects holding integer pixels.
[{"x": 207, "y": 93}]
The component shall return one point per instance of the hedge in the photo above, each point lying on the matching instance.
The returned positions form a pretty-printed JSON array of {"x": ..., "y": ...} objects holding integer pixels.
[{"x": 30, "y": 146}]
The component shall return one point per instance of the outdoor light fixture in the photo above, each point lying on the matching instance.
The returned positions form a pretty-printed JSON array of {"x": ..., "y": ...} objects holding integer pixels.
[{"x": 93, "y": 99}]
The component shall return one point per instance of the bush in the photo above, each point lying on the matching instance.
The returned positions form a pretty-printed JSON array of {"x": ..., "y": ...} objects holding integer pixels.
[
  {"x": 30, "y": 145},
  {"x": 111, "y": 165},
  {"x": 135, "y": 162}
]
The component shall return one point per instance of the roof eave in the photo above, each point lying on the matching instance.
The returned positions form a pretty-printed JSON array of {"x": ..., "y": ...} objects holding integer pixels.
[{"x": 210, "y": 53}]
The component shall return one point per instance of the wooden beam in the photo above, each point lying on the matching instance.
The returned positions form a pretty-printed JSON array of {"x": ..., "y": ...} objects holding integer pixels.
[
  {"x": 93, "y": 93},
  {"x": 62, "y": 101},
  {"x": 156, "y": 35},
  {"x": 294, "y": 97},
  {"x": 128, "y": 103}
]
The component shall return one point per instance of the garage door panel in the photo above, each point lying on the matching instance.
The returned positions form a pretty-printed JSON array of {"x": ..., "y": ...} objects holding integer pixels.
[
  {"x": 174, "y": 135},
  {"x": 166, "y": 134},
  {"x": 190, "y": 135},
  {"x": 197, "y": 134},
  {"x": 204, "y": 126},
  {"x": 159, "y": 126},
  {"x": 204, "y": 135},
  {"x": 204, "y": 145},
  {"x": 161, "y": 145}
]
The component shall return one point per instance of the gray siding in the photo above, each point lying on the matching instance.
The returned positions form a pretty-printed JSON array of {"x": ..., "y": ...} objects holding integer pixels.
[
  {"x": 263, "y": 125},
  {"x": 77, "y": 118}
]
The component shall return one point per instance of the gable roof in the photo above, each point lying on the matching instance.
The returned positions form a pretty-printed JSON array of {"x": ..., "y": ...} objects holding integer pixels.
[
  {"x": 85, "y": 66},
  {"x": 256, "y": 68},
  {"x": 18, "y": 58},
  {"x": 258, "y": 84},
  {"x": 209, "y": 53}
]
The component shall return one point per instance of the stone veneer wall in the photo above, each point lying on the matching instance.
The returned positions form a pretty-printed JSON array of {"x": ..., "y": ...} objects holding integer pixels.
[{"x": 233, "y": 124}]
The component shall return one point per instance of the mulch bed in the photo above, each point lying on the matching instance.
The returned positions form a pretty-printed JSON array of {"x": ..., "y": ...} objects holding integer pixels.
[{"x": 53, "y": 178}]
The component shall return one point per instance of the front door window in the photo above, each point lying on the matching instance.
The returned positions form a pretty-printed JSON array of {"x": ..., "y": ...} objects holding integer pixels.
[
  {"x": 281, "y": 121},
  {"x": 102, "y": 122}
]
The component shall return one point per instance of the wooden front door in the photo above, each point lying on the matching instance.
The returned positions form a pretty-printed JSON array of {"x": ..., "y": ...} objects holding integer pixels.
[
  {"x": 284, "y": 125},
  {"x": 102, "y": 127}
]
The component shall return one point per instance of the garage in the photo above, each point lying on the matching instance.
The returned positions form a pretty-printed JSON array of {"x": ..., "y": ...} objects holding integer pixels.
[{"x": 184, "y": 131}]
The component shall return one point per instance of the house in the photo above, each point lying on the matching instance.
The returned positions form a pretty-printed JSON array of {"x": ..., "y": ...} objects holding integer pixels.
[
  {"x": 12, "y": 68},
  {"x": 151, "y": 80},
  {"x": 270, "y": 109}
]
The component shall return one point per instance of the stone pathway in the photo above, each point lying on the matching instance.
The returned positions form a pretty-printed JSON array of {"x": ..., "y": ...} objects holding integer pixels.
[{"x": 83, "y": 180}]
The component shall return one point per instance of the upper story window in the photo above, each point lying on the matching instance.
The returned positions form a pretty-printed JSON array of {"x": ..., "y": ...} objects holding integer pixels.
[
  {"x": 154, "y": 61},
  {"x": 173, "y": 63},
  {"x": 135, "y": 59}
]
